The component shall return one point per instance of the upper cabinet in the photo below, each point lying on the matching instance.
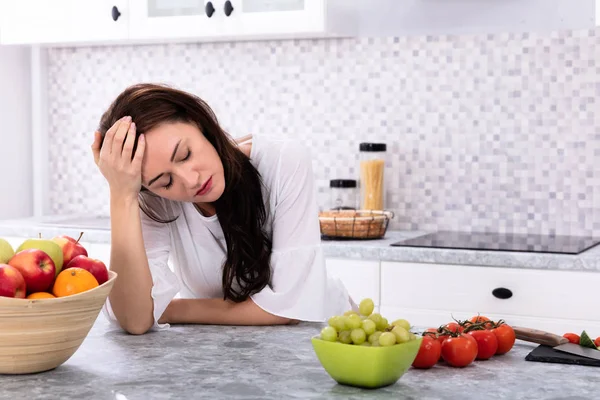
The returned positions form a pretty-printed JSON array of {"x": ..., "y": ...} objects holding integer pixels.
[
  {"x": 79, "y": 22},
  {"x": 202, "y": 20},
  {"x": 63, "y": 21},
  {"x": 98, "y": 22}
]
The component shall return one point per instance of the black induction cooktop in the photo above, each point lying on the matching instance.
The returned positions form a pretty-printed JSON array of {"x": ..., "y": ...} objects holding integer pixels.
[{"x": 502, "y": 242}]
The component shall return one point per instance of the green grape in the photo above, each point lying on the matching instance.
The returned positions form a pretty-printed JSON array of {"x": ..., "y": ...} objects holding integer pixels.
[
  {"x": 375, "y": 317},
  {"x": 365, "y": 344},
  {"x": 368, "y": 326},
  {"x": 344, "y": 337},
  {"x": 412, "y": 336},
  {"x": 338, "y": 322},
  {"x": 374, "y": 337},
  {"x": 329, "y": 334},
  {"x": 358, "y": 336},
  {"x": 353, "y": 321},
  {"x": 401, "y": 334},
  {"x": 382, "y": 324},
  {"x": 387, "y": 339},
  {"x": 349, "y": 313},
  {"x": 403, "y": 323},
  {"x": 366, "y": 307},
  {"x": 375, "y": 344}
]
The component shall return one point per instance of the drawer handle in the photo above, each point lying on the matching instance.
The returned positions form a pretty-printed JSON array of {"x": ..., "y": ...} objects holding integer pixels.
[
  {"x": 209, "y": 9},
  {"x": 115, "y": 13},
  {"x": 228, "y": 8},
  {"x": 502, "y": 293}
]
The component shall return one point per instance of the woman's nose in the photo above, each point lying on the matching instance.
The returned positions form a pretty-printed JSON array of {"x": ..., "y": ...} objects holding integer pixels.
[{"x": 191, "y": 179}]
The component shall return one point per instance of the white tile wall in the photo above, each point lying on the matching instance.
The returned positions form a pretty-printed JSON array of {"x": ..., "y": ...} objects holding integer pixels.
[{"x": 485, "y": 133}]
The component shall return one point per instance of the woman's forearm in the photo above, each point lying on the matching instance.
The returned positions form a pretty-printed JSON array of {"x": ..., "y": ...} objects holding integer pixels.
[
  {"x": 130, "y": 297},
  {"x": 219, "y": 312}
]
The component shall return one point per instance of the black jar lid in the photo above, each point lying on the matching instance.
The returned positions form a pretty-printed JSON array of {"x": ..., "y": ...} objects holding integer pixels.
[
  {"x": 373, "y": 147},
  {"x": 342, "y": 183}
]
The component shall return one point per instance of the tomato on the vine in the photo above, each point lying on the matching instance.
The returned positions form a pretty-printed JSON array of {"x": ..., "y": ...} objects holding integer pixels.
[
  {"x": 506, "y": 337},
  {"x": 487, "y": 343},
  {"x": 479, "y": 318},
  {"x": 454, "y": 327},
  {"x": 459, "y": 351},
  {"x": 573, "y": 337},
  {"x": 597, "y": 341},
  {"x": 429, "y": 352}
]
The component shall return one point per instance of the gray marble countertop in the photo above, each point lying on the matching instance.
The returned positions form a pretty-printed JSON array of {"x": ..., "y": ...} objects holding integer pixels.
[
  {"x": 97, "y": 230},
  {"x": 223, "y": 362}
]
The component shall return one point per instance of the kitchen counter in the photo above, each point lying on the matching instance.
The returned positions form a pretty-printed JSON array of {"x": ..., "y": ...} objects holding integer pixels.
[
  {"x": 219, "y": 362},
  {"x": 97, "y": 230}
]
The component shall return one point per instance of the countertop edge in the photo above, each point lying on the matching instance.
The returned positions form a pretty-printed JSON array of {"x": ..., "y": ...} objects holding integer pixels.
[{"x": 373, "y": 250}]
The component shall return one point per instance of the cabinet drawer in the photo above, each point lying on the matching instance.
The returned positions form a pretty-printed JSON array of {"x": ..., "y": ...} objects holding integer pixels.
[
  {"x": 456, "y": 288},
  {"x": 360, "y": 277}
]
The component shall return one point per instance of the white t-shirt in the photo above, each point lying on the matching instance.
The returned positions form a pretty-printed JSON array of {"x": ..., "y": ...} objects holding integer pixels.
[{"x": 300, "y": 287}]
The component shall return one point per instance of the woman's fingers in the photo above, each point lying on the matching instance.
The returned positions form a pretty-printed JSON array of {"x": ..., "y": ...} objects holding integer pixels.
[
  {"x": 139, "y": 155},
  {"x": 108, "y": 138},
  {"x": 119, "y": 138},
  {"x": 128, "y": 145},
  {"x": 96, "y": 146}
]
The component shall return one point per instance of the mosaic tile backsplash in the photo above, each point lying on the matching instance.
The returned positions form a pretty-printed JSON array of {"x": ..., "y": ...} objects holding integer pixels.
[{"x": 485, "y": 133}]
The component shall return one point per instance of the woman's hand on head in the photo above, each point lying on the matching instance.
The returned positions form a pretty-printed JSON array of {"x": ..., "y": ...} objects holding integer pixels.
[{"x": 113, "y": 156}]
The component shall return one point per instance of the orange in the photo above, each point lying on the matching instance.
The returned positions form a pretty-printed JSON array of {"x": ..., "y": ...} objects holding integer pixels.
[
  {"x": 72, "y": 281},
  {"x": 41, "y": 295}
]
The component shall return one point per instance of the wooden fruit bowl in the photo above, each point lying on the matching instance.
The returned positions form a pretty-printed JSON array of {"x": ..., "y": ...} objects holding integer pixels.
[{"x": 39, "y": 335}]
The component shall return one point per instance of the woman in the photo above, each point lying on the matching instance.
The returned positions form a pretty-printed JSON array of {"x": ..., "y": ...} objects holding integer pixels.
[{"x": 238, "y": 220}]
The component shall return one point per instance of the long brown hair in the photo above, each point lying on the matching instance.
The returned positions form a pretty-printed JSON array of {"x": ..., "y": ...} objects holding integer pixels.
[{"x": 240, "y": 208}]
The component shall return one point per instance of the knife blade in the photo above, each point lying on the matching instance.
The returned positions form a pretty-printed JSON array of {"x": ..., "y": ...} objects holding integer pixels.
[{"x": 556, "y": 342}]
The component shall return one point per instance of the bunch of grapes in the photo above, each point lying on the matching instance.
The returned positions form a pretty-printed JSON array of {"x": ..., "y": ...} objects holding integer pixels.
[{"x": 366, "y": 328}]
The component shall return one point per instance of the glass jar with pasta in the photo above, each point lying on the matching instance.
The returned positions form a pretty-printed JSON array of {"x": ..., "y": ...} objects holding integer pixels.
[{"x": 372, "y": 175}]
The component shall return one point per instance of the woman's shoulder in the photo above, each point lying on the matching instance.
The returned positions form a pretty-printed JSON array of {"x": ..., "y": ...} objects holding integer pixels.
[{"x": 277, "y": 156}]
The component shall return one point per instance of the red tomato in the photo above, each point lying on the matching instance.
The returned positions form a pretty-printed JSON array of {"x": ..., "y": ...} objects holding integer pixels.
[
  {"x": 506, "y": 338},
  {"x": 459, "y": 351},
  {"x": 454, "y": 327},
  {"x": 429, "y": 353},
  {"x": 479, "y": 318},
  {"x": 487, "y": 344},
  {"x": 597, "y": 341},
  {"x": 573, "y": 337}
]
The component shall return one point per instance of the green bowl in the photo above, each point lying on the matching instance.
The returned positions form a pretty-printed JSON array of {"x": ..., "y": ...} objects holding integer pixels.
[{"x": 364, "y": 366}]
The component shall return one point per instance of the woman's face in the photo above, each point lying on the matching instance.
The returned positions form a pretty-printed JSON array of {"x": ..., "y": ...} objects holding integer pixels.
[{"x": 180, "y": 164}]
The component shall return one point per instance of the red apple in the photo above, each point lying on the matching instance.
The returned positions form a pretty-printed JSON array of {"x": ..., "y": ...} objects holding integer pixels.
[
  {"x": 36, "y": 267},
  {"x": 12, "y": 283},
  {"x": 71, "y": 248},
  {"x": 92, "y": 265}
]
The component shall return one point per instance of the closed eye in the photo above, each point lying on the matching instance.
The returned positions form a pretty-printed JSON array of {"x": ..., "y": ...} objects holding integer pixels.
[{"x": 170, "y": 183}]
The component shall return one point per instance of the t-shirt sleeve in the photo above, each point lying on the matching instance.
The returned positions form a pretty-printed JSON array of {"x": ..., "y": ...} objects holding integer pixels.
[
  {"x": 165, "y": 286},
  {"x": 300, "y": 286}
]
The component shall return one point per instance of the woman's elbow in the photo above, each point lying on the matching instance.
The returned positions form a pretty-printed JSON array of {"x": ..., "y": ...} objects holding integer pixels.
[{"x": 136, "y": 327}]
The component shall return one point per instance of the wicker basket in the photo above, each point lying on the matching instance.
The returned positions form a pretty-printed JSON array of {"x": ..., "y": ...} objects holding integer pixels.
[{"x": 354, "y": 224}]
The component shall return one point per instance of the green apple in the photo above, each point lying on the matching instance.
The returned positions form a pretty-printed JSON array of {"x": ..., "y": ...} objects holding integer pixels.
[
  {"x": 6, "y": 251},
  {"x": 47, "y": 246}
]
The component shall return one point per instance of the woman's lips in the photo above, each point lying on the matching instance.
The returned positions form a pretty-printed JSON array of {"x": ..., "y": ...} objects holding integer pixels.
[{"x": 205, "y": 188}]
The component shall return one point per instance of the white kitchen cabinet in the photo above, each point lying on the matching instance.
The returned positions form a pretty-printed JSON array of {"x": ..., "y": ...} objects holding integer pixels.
[
  {"x": 292, "y": 18},
  {"x": 63, "y": 21},
  {"x": 208, "y": 20},
  {"x": 361, "y": 277},
  {"x": 181, "y": 20},
  {"x": 430, "y": 294}
]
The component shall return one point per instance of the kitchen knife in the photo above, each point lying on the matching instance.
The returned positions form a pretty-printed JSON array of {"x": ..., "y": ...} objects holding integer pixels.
[{"x": 556, "y": 342}]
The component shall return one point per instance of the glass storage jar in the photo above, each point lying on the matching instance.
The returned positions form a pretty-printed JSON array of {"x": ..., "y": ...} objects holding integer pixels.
[
  {"x": 343, "y": 194},
  {"x": 372, "y": 160}
]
